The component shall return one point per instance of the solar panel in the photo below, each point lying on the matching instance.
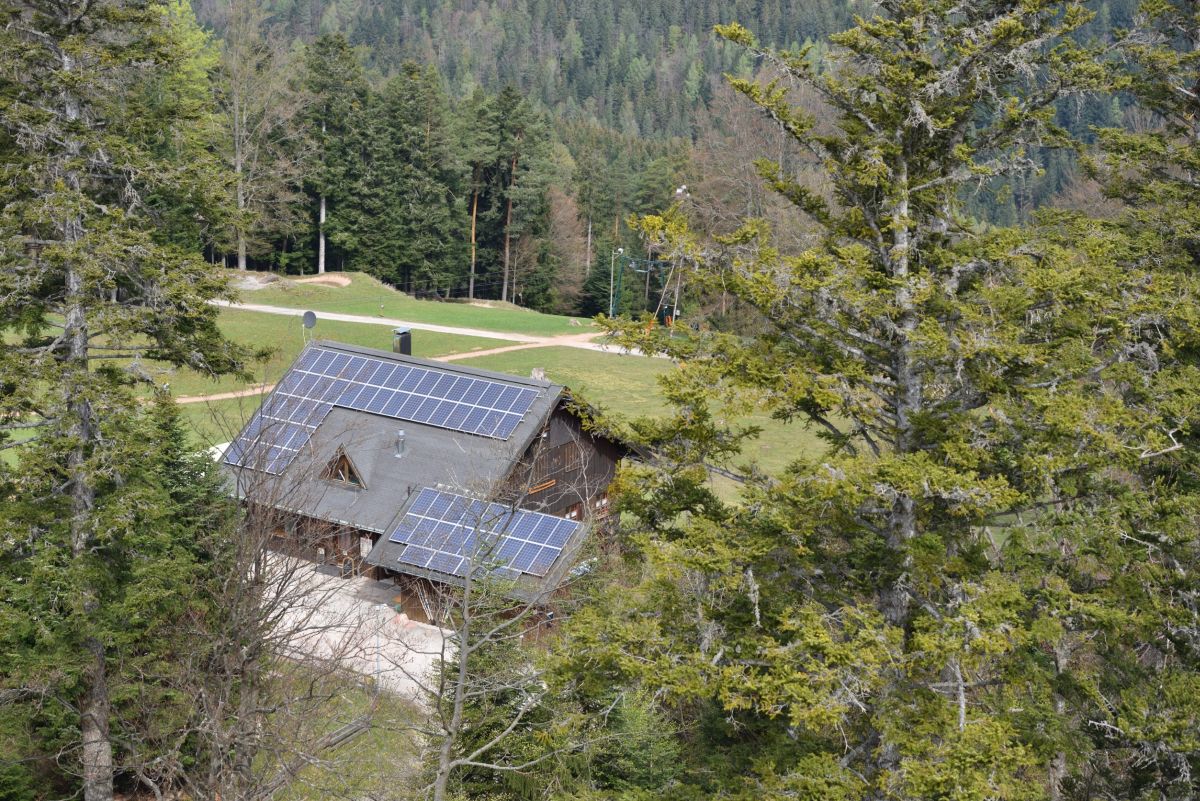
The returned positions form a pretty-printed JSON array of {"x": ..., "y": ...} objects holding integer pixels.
[
  {"x": 321, "y": 379},
  {"x": 450, "y": 533},
  {"x": 419, "y": 394}
]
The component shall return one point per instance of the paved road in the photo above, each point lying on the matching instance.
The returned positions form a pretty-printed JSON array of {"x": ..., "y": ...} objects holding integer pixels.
[{"x": 568, "y": 340}]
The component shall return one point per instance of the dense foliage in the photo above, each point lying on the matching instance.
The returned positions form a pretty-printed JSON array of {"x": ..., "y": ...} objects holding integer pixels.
[
  {"x": 637, "y": 100},
  {"x": 984, "y": 586}
]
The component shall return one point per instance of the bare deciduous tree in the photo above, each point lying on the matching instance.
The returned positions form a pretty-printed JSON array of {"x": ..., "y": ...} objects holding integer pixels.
[
  {"x": 273, "y": 679},
  {"x": 486, "y": 689},
  {"x": 266, "y": 147}
]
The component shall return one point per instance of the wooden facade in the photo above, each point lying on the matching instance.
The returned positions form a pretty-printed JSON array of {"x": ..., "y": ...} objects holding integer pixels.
[{"x": 565, "y": 471}]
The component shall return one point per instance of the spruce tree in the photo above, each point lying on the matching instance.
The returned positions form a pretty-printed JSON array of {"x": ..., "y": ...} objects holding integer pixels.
[
  {"x": 90, "y": 288},
  {"x": 931, "y": 608},
  {"x": 404, "y": 212},
  {"x": 338, "y": 96}
]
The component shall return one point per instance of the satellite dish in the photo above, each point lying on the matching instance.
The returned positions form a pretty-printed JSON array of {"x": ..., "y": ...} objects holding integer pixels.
[{"x": 309, "y": 319}]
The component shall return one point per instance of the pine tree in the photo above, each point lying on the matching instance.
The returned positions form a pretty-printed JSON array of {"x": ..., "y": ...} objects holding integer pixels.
[{"x": 479, "y": 146}]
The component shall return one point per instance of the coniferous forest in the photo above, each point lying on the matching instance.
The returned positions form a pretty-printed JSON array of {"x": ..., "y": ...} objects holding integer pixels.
[
  {"x": 956, "y": 243},
  {"x": 528, "y": 149}
]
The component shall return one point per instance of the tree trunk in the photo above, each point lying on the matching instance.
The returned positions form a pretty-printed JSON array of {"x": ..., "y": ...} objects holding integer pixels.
[
  {"x": 321, "y": 224},
  {"x": 241, "y": 250},
  {"x": 895, "y": 601},
  {"x": 1058, "y": 762},
  {"x": 238, "y": 168},
  {"x": 649, "y": 266},
  {"x": 474, "y": 214},
  {"x": 96, "y": 751},
  {"x": 513, "y": 294},
  {"x": 453, "y": 728},
  {"x": 902, "y": 523},
  {"x": 96, "y": 748},
  {"x": 587, "y": 270},
  {"x": 321, "y": 237},
  {"x": 507, "y": 235}
]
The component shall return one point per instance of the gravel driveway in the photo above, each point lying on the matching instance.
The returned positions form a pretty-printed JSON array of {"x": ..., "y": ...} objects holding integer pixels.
[{"x": 352, "y": 622}]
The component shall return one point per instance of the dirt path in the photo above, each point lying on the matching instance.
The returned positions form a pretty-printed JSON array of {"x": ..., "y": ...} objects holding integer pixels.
[
  {"x": 219, "y": 396},
  {"x": 328, "y": 279},
  {"x": 584, "y": 341},
  {"x": 471, "y": 354}
]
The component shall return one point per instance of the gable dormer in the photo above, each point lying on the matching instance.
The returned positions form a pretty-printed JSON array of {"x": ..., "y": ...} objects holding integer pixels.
[{"x": 342, "y": 470}]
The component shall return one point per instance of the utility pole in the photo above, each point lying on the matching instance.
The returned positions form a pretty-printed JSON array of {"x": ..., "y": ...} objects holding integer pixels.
[
  {"x": 611, "y": 265},
  {"x": 681, "y": 196}
]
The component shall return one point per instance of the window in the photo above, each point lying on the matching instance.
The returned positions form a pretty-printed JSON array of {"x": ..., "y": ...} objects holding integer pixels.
[{"x": 340, "y": 468}]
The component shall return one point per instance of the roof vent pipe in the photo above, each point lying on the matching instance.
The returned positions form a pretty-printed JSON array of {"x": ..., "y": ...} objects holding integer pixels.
[
  {"x": 402, "y": 341},
  {"x": 399, "y": 443}
]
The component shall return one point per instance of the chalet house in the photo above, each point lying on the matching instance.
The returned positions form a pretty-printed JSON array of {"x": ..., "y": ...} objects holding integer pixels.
[{"x": 424, "y": 472}]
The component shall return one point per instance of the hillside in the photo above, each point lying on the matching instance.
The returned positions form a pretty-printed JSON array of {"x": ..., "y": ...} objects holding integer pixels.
[{"x": 641, "y": 68}]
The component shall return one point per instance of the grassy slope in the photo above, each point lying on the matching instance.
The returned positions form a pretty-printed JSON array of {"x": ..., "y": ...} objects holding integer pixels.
[
  {"x": 367, "y": 296},
  {"x": 283, "y": 335},
  {"x": 383, "y": 762},
  {"x": 628, "y": 386},
  {"x": 213, "y": 422},
  {"x": 625, "y": 386}
]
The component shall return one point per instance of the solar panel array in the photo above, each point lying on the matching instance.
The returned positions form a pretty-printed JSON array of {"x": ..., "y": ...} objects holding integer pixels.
[
  {"x": 277, "y": 432},
  {"x": 321, "y": 379},
  {"x": 450, "y": 533}
]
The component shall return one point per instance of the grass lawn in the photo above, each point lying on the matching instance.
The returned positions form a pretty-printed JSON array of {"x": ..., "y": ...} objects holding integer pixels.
[
  {"x": 9, "y": 455},
  {"x": 622, "y": 384},
  {"x": 283, "y": 335},
  {"x": 213, "y": 422},
  {"x": 627, "y": 386},
  {"x": 367, "y": 296}
]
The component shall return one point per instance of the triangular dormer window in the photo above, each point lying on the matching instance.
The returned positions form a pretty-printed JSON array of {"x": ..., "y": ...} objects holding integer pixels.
[{"x": 340, "y": 468}]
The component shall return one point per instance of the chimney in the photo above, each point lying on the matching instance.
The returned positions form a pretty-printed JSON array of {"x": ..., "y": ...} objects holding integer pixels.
[
  {"x": 402, "y": 341},
  {"x": 399, "y": 443},
  {"x": 538, "y": 374}
]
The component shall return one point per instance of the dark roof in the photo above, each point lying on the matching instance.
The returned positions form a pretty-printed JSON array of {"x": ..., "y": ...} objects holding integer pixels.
[
  {"x": 471, "y": 463},
  {"x": 466, "y": 464}
]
